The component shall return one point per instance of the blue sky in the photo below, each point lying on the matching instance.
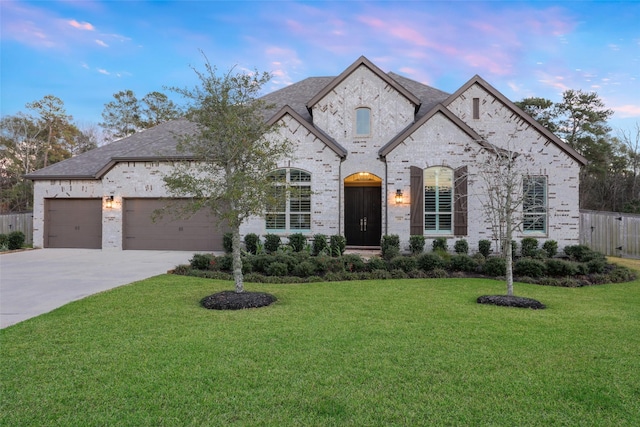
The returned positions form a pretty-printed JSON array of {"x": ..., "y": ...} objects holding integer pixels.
[{"x": 84, "y": 51}]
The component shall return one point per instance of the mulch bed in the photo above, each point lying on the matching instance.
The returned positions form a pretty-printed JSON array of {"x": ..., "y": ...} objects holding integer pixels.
[
  {"x": 511, "y": 301},
  {"x": 230, "y": 300}
]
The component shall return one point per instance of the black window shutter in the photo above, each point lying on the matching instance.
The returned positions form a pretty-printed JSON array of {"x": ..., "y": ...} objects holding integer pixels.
[
  {"x": 417, "y": 202},
  {"x": 460, "y": 205}
]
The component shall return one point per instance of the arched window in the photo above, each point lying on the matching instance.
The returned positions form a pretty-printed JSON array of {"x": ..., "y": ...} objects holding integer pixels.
[
  {"x": 363, "y": 121},
  {"x": 290, "y": 206},
  {"x": 438, "y": 200}
]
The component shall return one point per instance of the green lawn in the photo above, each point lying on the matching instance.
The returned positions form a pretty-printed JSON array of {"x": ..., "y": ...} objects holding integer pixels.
[{"x": 396, "y": 352}]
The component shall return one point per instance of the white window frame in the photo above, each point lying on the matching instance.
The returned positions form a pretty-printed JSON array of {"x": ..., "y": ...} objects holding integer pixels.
[
  {"x": 535, "y": 204},
  {"x": 294, "y": 213},
  {"x": 439, "y": 212}
]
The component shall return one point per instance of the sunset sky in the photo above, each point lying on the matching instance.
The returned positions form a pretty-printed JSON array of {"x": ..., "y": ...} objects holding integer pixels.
[{"x": 85, "y": 51}]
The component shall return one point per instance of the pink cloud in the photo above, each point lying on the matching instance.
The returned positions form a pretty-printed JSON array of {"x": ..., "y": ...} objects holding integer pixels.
[
  {"x": 627, "y": 111},
  {"x": 81, "y": 25}
]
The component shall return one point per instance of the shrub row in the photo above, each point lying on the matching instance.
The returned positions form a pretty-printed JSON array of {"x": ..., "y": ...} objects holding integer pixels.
[{"x": 12, "y": 241}]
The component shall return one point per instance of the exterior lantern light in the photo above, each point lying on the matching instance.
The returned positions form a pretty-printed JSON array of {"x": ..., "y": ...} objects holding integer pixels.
[
  {"x": 108, "y": 202},
  {"x": 399, "y": 197}
]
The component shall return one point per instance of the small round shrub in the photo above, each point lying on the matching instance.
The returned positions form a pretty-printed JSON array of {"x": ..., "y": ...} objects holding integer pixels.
[
  {"x": 251, "y": 241},
  {"x": 297, "y": 242},
  {"x": 254, "y": 278},
  {"x": 551, "y": 248},
  {"x": 321, "y": 263},
  {"x": 304, "y": 269},
  {"x": 319, "y": 244},
  {"x": 380, "y": 274},
  {"x": 399, "y": 274},
  {"x": 224, "y": 263},
  {"x": 277, "y": 269},
  {"x": 15, "y": 240},
  {"x": 247, "y": 265},
  {"x": 4, "y": 242},
  {"x": 463, "y": 262},
  {"x": 337, "y": 244},
  {"x": 529, "y": 267},
  {"x": 202, "y": 261},
  {"x": 260, "y": 262},
  {"x": 285, "y": 258},
  {"x": 354, "y": 263},
  {"x": 404, "y": 263},
  {"x": 597, "y": 265},
  {"x": 182, "y": 269},
  {"x": 560, "y": 268},
  {"x": 430, "y": 261},
  {"x": 495, "y": 266},
  {"x": 333, "y": 277},
  {"x": 461, "y": 247},
  {"x": 439, "y": 243},
  {"x": 314, "y": 279},
  {"x": 335, "y": 265},
  {"x": 484, "y": 247},
  {"x": 227, "y": 242},
  {"x": 621, "y": 274},
  {"x": 438, "y": 273},
  {"x": 479, "y": 258},
  {"x": 376, "y": 263},
  {"x": 416, "y": 244},
  {"x": 580, "y": 253},
  {"x": 390, "y": 245},
  {"x": 272, "y": 243},
  {"x": 529, "y": 247}
]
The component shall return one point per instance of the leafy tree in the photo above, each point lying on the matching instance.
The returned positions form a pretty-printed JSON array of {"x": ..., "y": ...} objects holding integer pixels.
[
  {"x": 157, "y": 108},
  {"x": 233, "y": 148},
  {"x": 121, "y": 116},
  {"x": 542, "y": 110},
  {"x": 53, "y": 119}
]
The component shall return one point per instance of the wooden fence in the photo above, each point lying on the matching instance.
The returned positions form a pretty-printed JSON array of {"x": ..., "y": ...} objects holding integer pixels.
[
  {"x": 611, "y": 233},
  {"x": 18, "y": 222}
]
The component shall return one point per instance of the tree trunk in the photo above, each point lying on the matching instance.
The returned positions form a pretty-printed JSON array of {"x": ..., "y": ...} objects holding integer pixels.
[
  {"x": 507, "y": 245},
  {"x": 237, "y": 260}
]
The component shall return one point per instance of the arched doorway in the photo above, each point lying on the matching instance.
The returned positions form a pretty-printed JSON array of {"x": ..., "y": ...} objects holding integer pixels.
[{"x": 363, "y": 209}]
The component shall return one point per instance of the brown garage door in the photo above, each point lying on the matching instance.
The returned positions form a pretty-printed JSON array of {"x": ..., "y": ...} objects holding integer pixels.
[
  {"x": 73, "y": 223},
  {"x": 197, "y": 233}
]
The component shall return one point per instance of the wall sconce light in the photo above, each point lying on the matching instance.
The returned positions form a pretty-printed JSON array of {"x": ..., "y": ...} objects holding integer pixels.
[
  {"x": 399, "y": 197},
  {"x": 108, "y": 202}
]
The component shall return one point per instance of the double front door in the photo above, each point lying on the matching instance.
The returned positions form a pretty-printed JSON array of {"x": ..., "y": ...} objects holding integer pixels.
[{"x": 363, "y": 215}]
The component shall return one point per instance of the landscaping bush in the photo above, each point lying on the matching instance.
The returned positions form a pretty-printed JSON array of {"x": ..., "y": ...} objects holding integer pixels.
[
  {"x": 463, "y": 262},
  {"x": 529, "y": 247},
  {"x": 227, "y": 242},
  {"x": 430, "y": 261},
  {"x": 495, "y": 266},
  {"x": 529, "y": 267},
  {"x": 479, "y": 258},
  {"x": 399, "y": 274},
  {"x": 461, "y": 247},
  {"x": 335, "y": 265},
  {"x": 297, "y": 242},
  {"x": 380, "y": 274},
  {"x": 438, "y": 273},
  {"x": 559, "y": 268},
  {"x": 272, "y": 243},
  {"x": 484, "y": 247},
  {"x": 439, "y": 243},
  {"x": 404, "y": 263},
  {"x": 304, "y": 269},
  {"x": 251, "y": 242},
  {"x": 581, "y": 253},
  {"x": 416, "y": 244},
  {"x": 202, "y": 261},
  {"x": 277, "y": 269},
  {"x": 319, "y": 244},
  {"x": 15, "y": 240},
  {"x": 224, "y": 263},
  {"x": 338, "y": 244},
  {"x": 597, "y": 265},
  {"x": 376, "y": 263},
  {"x": 4, "y": 242},
  {"x": 621, "y": 274},
  {"x": 514, "y": 249},
  {"x": 551, "y": 248},
  {"x": 354, "y": 263},
  {"x": 390, "y": 246}
]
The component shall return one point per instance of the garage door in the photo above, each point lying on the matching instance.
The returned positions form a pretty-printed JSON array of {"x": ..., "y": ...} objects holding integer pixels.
[
  {"x": 197, "y": 233},
  {"x": 73, "y": 223}
]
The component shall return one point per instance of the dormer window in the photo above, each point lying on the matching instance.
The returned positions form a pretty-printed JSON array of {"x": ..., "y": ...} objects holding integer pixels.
[{"x": 363, "y": 121}]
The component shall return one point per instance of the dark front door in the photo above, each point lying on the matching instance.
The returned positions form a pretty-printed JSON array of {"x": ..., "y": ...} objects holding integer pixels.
[{"x": 363, "y": 216}]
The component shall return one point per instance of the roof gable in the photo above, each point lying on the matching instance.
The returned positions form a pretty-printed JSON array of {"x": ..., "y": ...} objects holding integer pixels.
[
  {"x": 477, "y": 80},
  {"x": 362, "y": 61}
]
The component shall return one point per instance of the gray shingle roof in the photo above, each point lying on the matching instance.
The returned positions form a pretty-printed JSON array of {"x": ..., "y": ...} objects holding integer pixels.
[{"x": 160, "y": 142}]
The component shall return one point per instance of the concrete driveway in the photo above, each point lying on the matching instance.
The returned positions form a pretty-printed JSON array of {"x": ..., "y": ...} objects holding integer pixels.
[{"x": 38, "y": 281}]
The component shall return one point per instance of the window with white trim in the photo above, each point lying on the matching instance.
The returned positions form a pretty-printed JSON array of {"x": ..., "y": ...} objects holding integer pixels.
[
  {"x": 438, "y": 200},
  {"x": 534, "y": 206},
  {"x": 363, "y": 121},
  {"x": 290, "y": 206}
]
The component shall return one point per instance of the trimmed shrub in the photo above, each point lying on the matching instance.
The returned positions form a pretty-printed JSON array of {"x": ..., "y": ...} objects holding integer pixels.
[
  {"x": 260, "y": 262},
  {"x": 15, "y": 240},
  {"x": 430, "y": 261},
  {"x": 251, "y": 242},
  {"x": 272, "y": 243},
  {"x": 484, "y": 247},
  {"x": 224, "y": 263},
  {"x": 529, "y": 247},
  {"x": 227, "y": 242},
  {"x": 203, "y": 261},
  {"x": 404, "y": 263},
  {"x": 438, "y": 273},
  {"x": 376, "y": 263},
  {"x": 4, "y": 242},
  {"x": 461, "y": 247},
  {"x": 304, "y": 269},
  {"x": 514, "y": 249},
  {"x": 390, "y": 246},
  {"x": 416, "y": 244},
  {"x": 297, "y": 242},
  {"x": 277, "y": 269},
  {"x": 550, "y": 247},
  {"x": 354, "y": 263},
  {"x": 560, "y": 268},
  {"x": 580, "y": 253},
  {"x": 463, "y": 262},
  {"x": 380, "y": 274},
  {"x": 319, "y": 244},
  {"x": 529, "y": 267},
  {"x": 247, "y": 265},
  {"x": 439, "y": 243},
  {"x": 399, "y": 274},
  {"x": 621, "y": 274},
  {"x": 335, "y": 265},
  {"x": 597, "y": 265},
  {"x": 182, "y": 269},
  {"x": 495, "y": 266},
  {"x": 338, "y": 244},
  {"x": 321, "y": 263}
]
